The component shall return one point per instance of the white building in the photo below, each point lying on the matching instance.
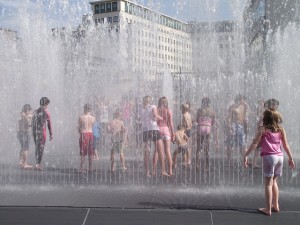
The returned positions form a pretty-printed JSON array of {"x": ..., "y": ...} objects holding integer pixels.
[
  {"x": 153, "y": 42},
  {"x": 217, "y": 47}
]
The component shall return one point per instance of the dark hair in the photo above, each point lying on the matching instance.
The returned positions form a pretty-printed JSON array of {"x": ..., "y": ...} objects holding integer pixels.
[
  {"x": 26, "y": 108},
  {"x": 238, "y": 98},
  {"x": 44, "y": 101},
  {"x": 205, "y": 102},
  {"x": 271, "y": 102},
  {"x": 87, "y": 107}
]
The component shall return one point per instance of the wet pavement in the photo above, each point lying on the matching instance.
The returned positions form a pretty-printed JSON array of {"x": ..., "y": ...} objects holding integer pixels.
[{"x": 228, "y": 194}]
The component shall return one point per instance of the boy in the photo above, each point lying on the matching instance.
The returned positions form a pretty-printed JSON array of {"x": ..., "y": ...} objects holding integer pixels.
[
  {"x": 85, "y": 129},
  {"x": 117, "y": 130},
  {"x": 181, "y": 140}
]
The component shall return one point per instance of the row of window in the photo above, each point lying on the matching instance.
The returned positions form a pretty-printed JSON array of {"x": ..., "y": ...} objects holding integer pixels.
[
  {"x": 160, "y": 64},
  {"x": 114, "y": 19},
  {"x": 106, "y": 7},
  {"x": 150, "y": 15}
]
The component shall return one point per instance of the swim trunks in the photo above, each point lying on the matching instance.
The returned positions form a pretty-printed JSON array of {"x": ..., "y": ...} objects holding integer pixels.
[{"x": 86, "y": 144}]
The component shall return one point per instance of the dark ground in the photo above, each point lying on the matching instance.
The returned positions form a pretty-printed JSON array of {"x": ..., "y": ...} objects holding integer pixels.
[{"x": 228, "y": 194}]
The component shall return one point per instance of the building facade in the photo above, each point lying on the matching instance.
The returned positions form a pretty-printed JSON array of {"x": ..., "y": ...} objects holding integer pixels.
[
  {"x": 217, "y": 47},
  {"x": 154, "y": 42}
]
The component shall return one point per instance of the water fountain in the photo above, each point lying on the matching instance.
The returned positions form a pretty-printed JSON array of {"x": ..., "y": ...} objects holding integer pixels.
[{"x": 74, "y": 67}]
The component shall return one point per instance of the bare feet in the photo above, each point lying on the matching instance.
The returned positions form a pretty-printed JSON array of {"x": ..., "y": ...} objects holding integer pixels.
[
  {"x": 275, "y": 209},
  {"x": 265, "y": 211},
  {"x": 26, "y": 166},
  {"x": 39, "y": 167},
  {"x": 165, "y": 174},
  {"x": 124, "y": 169}
]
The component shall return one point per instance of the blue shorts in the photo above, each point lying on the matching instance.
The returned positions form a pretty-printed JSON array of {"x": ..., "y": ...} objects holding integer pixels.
[
  {"x": 237, "y": 137},
  {"x": 96, "y": 142}
]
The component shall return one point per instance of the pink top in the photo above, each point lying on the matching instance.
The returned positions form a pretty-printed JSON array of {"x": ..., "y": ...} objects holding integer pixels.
[
  {"x": 271, "y": 143},
  {"x": 205, "y": 121}
]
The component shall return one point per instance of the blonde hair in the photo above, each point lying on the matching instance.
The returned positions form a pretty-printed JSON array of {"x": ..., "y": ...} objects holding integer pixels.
[
  {"x": 185, "y": 107},
  {"x": 147, "y": 100},
  {"x": 272, "y": 119},
  {"x": 163, "y": 102}
]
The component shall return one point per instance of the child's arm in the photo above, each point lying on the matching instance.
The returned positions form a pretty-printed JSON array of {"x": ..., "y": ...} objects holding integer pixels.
[
  {"x": 155, "y": 114},
  {"x": 287, "y": 149},
  {"x": 253, "y": 144}
]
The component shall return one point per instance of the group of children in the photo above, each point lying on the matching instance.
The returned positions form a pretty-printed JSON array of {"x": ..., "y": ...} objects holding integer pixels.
[
  {"x": 157, "y": 127},
  {"x": 37, "y": 121}
]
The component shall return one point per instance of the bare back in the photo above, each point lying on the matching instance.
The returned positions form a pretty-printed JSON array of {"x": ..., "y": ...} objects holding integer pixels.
[
  {"x": 116, "y": 128},
  {"x": 238, "y": 113},
  {"x": 85, "y": 123}
]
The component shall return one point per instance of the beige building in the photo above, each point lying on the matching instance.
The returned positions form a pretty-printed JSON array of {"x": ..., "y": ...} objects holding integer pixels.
[{"x": 153, "y": 42}]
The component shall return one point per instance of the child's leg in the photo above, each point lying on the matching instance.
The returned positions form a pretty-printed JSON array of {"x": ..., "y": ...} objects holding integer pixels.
[
  {"x": 82, "y": 159},
  {"x": 159, "y": 150},
  {"x": 268, "y": 196},
  {"x": 112, "y": 160},
  {"x": 90, "y": 162},
  {"x": 167, "y": 149},
  {"x": 175, "y": 157},
  {"x": 199, "y": 143},
  {"x": 122, "y": 159},
  {"x": 275, "y": 197},
  {"x": 146, "y": 157}
]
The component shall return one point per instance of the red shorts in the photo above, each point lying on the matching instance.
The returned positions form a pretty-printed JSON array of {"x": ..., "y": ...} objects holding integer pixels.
[{"x": 86, "y": 141}]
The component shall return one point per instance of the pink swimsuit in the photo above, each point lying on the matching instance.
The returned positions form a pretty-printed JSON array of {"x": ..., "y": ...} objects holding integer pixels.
[{"x": 204, "y": 125}]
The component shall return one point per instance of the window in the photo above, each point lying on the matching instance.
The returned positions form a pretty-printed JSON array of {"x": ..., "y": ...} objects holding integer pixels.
[
  {"x": 116, "y": 19},
  {"x": 102, "y": 8},
  {"x": 109, "y": 19},
  {"x": 114, "y": 6},
  {"x": 108, "y": 7},
  {"x": 97, "y": 9}
]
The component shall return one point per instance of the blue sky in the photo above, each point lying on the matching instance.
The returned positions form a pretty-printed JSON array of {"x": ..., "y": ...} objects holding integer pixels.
[{"x": 63, "y": 12}]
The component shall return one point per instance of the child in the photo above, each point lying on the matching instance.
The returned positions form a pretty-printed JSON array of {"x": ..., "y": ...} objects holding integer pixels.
[
  {"x": 23, "y": 135},
  {"x": 181, "y": 141},
  {"x": 206, "y": 120},
  {"x": 187, "y": 123},
  {"x": 85, "y": 130},
  {"x": 150, "y": 128},
  {"x": 96, "y": 134},
  {"x": 41, "y": 119},
  {"x": 272, "y": 136},
  {"x": 117, "y": 129},
  {"x": 166, "y": 129}
]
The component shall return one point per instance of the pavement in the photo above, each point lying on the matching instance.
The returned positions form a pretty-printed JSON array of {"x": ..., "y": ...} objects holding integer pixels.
[{"x": 226, "y": 194}]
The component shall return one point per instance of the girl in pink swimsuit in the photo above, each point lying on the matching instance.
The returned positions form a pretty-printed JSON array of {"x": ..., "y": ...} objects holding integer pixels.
[
  {"x": 166, "y": 129},
  {"x": 205, "y": 119},
  {"x": 271, "y": 136}
]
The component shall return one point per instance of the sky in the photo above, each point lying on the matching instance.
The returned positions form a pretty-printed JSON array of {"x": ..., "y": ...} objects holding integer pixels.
[{"x": 64, "y": 12}]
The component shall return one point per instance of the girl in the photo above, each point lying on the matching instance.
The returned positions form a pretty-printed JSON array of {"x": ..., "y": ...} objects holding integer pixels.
[
  {"x": 205, "y": 119},
  {"x": 24, "y": 136},
  {"x": 166, "y": 128},
  {"x": 272, "y": 136}
]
